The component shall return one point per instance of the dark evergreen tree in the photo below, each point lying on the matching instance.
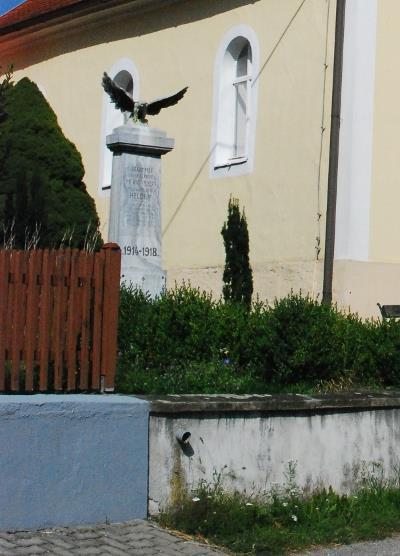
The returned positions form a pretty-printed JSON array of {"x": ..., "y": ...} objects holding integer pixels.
[
  {"x": 9, "y": 210},
  {"x": 5, "y": 84},
  {"x": 238, "y": 276},
  {"x": 31, "y": 138},
  {"x": 37, "y": 200},
  {"x": 21, "y": 210}
]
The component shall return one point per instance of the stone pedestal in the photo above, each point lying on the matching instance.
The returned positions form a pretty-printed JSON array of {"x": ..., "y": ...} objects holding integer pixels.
[{"x": 135, "y": 208}]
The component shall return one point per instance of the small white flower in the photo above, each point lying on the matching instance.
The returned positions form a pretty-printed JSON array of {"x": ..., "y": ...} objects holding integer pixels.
[
  {"x": 294, "y": 517},
  {"x": 249, "y": 504},
  {"x": 196, "y": 499},
  {"x": 284, "y": 504},
  {"x": 355, "y": 497}
]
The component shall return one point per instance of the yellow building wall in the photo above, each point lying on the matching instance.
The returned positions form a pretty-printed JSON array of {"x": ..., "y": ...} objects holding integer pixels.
[
  {"x": 385, "y": 202},
  {"x": 284, "y": 197}
]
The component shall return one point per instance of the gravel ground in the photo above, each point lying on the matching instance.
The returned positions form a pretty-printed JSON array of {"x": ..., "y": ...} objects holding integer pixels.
[{"x": 387, "y": 547}]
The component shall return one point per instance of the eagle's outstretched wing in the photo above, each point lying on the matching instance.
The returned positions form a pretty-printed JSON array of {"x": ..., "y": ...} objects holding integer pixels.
[
  {"x": 154, "y": 107},
  {"x": 122, "y": 100}
]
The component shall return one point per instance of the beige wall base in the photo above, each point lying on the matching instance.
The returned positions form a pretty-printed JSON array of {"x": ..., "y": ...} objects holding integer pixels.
[
  {"x": 361, "y": 285},
  {"x": 272, "y": 280}
]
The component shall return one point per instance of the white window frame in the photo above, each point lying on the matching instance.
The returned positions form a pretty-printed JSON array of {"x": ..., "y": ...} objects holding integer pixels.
[
  {"x": 111, "y": 118},
  {"x": 222, "y": 161}
]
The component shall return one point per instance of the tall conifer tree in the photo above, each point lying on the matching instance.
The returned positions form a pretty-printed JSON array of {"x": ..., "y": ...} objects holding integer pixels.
[{"x": 238, "y": 276}]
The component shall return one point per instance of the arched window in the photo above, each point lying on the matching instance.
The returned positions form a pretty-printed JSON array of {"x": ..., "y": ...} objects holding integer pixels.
[
  {"x": 124, "y": 73},
  {"x": 235, "y": 103}
]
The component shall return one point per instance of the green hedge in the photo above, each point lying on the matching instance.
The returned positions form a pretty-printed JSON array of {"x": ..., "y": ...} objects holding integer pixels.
[{"x": 184, "y": 341}]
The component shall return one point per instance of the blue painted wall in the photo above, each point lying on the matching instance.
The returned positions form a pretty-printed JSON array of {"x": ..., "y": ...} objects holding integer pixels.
[{"x": 72, "y": 459}]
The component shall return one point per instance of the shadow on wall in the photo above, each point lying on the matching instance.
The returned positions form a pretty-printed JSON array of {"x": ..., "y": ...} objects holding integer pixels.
[{"x": 121, "y": 23}]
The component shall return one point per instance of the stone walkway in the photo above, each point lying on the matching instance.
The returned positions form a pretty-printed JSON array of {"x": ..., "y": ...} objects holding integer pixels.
[{"x": 136, "y": 538}]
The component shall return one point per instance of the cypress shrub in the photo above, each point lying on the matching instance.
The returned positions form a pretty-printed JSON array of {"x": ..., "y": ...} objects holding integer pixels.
[{"x": 238, "y": 276}]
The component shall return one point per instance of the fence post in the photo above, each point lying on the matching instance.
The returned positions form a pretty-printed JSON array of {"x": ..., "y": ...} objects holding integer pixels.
[{"x": 112, "y": 273}]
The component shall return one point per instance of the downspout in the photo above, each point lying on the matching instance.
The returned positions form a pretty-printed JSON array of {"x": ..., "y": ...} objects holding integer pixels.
[{"x": 334, "y": 152}]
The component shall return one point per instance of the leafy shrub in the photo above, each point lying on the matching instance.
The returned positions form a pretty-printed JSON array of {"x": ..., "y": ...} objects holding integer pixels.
[
  {"x": 178, "y": 325},
  {"x": 379, "y": 351},
  {"x": 305, "y": 340},
  {"x": 186, "y": 341}
]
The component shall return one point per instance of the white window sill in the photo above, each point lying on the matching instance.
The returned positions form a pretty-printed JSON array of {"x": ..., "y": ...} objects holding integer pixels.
[{"x": 232, "y": 162}]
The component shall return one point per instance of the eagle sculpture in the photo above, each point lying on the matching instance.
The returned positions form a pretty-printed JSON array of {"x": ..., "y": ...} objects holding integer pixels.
[{"x": 138, "y": 110}]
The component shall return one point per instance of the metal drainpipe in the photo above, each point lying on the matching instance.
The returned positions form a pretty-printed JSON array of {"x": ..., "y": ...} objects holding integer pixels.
[{"x": 334, "y": 152}]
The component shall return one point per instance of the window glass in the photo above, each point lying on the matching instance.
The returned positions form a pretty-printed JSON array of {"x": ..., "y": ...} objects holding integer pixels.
[
  {"x": 242, "y": 61},
  {"x": 240, "y": 119}
]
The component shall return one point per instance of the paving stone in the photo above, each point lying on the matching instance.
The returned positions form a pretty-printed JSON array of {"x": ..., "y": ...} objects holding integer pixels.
[
  {"x": 29, "y": 550},
  {"x": 89, "y": 551},
  {"x": 5, "y": 544},
  {"x": 58, "y": 551},
  {"x": 61, "y": 543},
  {"x": 32, "y": 541},
  {"x": 85, "y": 535},
  {"x": 115, "y": 543},
  {"x": 111, "y": 551}
]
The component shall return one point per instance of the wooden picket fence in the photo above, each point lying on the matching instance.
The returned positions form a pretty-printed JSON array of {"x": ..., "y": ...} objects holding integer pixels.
[{"x": 58, "y": 319}]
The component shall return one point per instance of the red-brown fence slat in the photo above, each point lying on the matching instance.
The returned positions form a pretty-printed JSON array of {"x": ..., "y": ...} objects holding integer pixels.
[
  {"x": 112, "y": 272},
  {"x": 67, "y": 271},
  {"x": 18, "y": 317},
  {"x": 32, "y": 316},
  {"x": 97, "y": 326},
  {"x": 9, "y": 317},
  {"x": 86, "y": 272},
  {"x": 45, "y": 322},
  {"x": 63, "y": 260},
  {"x": 71, "y": 339},
  {"x": 4, "y": 323}
]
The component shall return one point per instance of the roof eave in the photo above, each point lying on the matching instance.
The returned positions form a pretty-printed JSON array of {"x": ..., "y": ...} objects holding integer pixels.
[{"x": 81, "y": 9}]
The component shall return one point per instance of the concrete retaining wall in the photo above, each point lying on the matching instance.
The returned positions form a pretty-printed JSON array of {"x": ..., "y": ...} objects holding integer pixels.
[
  {"x": 72, "y": 459},
  {"x": 249, "y": 441}
]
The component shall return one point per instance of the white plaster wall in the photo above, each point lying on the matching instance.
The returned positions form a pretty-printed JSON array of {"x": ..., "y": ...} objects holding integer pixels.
[
  {"x": 252, "y": 451},
  {"x": 356, "y": 132}
]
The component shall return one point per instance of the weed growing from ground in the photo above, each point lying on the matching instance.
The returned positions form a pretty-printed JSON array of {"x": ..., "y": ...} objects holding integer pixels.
[{"x": 283, "y": 519}]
